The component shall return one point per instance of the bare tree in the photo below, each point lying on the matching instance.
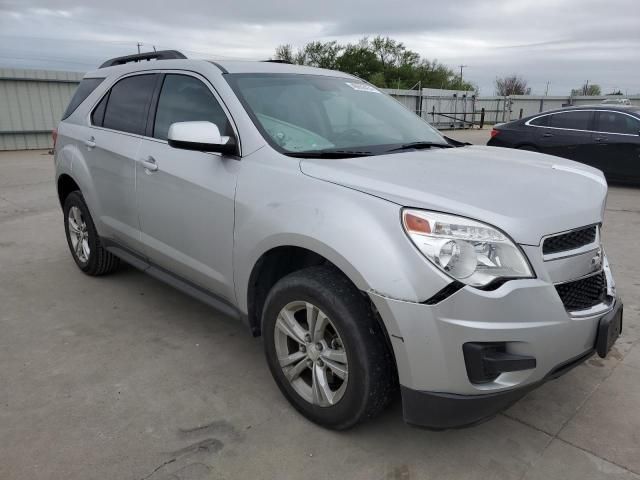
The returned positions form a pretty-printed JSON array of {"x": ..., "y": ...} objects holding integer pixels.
[
  {"x": 512, "y": 85},
  {"x": 285, "y": 53}
]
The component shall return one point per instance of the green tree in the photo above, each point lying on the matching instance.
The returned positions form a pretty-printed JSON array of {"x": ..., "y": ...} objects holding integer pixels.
[
  {"x": 358, "y": 60},
  {"x": 382, "y": 61},
  {"x": 592, "y": 90},
  {"x": 322, "y": 55}
]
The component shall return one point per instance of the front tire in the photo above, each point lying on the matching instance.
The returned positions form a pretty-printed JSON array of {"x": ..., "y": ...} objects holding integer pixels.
[
  {"x": 325, "y": 349},
  {"x": 83, "y": 240}
]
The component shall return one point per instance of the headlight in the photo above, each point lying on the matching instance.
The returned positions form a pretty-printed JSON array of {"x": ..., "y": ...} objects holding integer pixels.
[{"x": 469, "y": 251}]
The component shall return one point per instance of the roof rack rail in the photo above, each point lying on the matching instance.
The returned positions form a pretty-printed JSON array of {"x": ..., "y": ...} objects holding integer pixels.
[
  {"x": 161, "y": 55},
  {"x": 278, "y": 61}
]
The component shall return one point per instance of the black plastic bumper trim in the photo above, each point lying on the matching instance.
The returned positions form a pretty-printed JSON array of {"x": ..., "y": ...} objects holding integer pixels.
[
  {"x": 486, "y": 360},
  {"x": 444, "y": 293},
  {"x": 441, "y": 411}
]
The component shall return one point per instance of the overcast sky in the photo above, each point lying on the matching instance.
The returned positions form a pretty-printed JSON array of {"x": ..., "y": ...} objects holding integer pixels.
[{"x": 561, "y": 42}]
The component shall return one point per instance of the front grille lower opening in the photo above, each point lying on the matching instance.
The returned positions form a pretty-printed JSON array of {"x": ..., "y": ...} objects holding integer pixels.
[{"x": 584, "y": 293}]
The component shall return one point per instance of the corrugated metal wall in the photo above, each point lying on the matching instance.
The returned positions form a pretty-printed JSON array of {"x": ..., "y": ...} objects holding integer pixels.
[{"x": 31, "y": 105}]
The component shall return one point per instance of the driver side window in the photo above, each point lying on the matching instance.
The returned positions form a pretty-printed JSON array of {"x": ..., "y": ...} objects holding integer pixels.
[
  {"x": 614, "y": 122},
  {"x": 185, "y": 99}
]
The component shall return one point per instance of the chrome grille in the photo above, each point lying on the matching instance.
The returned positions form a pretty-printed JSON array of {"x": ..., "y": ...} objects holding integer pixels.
[{"x": 570, "y": 240}]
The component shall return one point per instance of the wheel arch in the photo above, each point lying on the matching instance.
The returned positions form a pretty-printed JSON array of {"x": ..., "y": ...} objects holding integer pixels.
[
  {"x": 65, "y": 185},
  {"x": 278, "y": 261}
]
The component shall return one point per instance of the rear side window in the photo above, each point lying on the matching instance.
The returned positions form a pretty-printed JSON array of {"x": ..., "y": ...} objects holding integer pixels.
[
  {"x": 186, "y": 99},
  {"x": 613, "y": 122},
  {"x": 87, "y": 85},
  {"x": 577, "y": 120},
  {"x": 540, "y": 121},
  {"x": 128, "y": 104}
]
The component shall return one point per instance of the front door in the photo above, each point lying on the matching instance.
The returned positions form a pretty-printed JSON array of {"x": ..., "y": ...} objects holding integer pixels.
[
  {"x": 567, "y": 134},
  {"x": 617, "y": 146},
  {"x": 186, "y": 198}
]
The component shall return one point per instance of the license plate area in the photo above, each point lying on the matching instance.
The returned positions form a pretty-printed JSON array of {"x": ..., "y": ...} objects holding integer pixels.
[{"x": 609, "y": 330}]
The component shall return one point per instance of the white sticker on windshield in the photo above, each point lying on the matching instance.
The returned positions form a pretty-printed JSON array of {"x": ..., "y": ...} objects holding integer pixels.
[{"x": 363, "y": 87}]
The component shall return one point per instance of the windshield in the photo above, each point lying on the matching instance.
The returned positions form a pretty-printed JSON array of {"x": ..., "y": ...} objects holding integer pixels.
[{"x": 311, "y": 113}]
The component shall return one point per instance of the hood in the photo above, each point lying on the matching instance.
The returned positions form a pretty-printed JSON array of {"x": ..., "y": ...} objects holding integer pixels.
[{"x": 526, "y": 194}]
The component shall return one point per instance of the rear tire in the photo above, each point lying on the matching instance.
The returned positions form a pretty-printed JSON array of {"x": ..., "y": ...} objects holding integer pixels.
[
  {"x": 343, "y": 372},
  {"x": 83, "y": 240}
]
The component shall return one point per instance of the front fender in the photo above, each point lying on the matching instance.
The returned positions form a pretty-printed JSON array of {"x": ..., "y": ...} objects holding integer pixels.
[{"x": 276, "y": 205}]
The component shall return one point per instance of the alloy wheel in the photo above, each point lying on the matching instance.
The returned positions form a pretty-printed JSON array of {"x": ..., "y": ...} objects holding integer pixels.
[
  {"x": 311, "y": 353},
  {"x": 78, "y": 234}
]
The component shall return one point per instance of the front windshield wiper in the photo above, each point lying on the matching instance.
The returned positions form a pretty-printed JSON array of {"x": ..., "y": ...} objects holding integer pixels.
[
  {"x": 329, "y": 153},
  {"x": 419, "y": 146}
]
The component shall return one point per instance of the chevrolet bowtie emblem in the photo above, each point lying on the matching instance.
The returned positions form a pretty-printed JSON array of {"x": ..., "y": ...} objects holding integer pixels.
[{"x": 596, "y": 261}]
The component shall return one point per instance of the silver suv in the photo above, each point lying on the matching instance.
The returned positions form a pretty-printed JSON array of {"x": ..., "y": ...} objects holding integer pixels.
[{"x": 370, "y": 252}]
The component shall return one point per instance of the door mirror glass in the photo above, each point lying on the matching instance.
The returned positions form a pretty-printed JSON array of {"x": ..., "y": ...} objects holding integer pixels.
[{"x": 201, "y": 136}]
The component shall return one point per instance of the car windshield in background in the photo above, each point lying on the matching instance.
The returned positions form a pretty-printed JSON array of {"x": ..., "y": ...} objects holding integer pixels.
[{"x": 329, "y": 115}]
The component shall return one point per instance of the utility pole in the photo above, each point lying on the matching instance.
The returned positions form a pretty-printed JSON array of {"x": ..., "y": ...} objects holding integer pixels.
[
  {"x": 461, "y": 67},
  {"x": 546, "y": 91},
  {"x": 139, "y": 45},
  {"x": 586, "y": 88}
]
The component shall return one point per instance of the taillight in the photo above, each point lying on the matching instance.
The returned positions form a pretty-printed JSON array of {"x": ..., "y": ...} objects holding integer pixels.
[
  {"x": 54, "y": 136},
  {"x": 494, "y": 132}
]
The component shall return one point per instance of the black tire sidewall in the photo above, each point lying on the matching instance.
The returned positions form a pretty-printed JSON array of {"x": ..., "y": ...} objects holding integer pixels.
[
  {"x": 343, "y": 311},
  {"x": 75, "y": 199}
]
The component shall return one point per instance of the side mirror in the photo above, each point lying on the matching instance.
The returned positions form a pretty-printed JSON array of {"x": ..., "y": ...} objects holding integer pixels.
[{"x": 200, "y": 136}]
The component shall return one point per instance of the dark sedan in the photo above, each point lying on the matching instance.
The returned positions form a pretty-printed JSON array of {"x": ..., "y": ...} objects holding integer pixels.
[{"x": 604, "y": 136}]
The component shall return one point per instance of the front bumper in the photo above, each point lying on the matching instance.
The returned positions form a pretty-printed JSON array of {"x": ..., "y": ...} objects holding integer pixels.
[
  {"x": 427, "y": 341},
  {"x": 440, "y": 411}
]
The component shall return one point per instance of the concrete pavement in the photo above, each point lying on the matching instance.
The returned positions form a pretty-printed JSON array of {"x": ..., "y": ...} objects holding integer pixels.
[{"x": 122, "y": 377}]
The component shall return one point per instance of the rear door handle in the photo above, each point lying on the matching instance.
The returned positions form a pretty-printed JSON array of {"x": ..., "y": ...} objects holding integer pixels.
[
  {"x": 600, "y": 139},
  {"x": 149, "y": 164},
  {"x": 547, "y": 135},
  {"x": 90, "y": 143}
]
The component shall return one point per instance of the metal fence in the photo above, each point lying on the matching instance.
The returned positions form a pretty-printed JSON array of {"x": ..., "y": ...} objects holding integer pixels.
[
  {"x": 451, "y": 109},
  {"x": 32, "y": 103}
]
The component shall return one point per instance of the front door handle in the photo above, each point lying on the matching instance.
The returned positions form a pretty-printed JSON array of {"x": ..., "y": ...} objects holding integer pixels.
[
  {"x": 90, "y": 143},
  {"x": 600, "y": 139},
  {"x": 149, "y": 164},
  {"x": 547, "y": 135}
]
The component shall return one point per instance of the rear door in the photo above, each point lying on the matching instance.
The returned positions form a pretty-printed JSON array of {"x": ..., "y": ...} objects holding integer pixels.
[
  {"x": 617, "y": 145},
  {"x": 119, "y": 121},
  {"x": 567, "y": 134},
  {"x": 186, "y": 198}
]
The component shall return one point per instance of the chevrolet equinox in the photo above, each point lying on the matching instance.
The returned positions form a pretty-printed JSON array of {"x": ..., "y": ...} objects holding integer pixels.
[{"x": 370, "y": 252}]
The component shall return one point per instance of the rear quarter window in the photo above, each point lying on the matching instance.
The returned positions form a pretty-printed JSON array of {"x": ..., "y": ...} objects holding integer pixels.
[
  {"x": 540, "y": 121},
  {"x": 87, "y": 85}
]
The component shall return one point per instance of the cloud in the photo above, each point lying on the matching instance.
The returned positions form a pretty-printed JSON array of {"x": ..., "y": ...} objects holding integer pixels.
[{"x": 563, "y": 42}]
